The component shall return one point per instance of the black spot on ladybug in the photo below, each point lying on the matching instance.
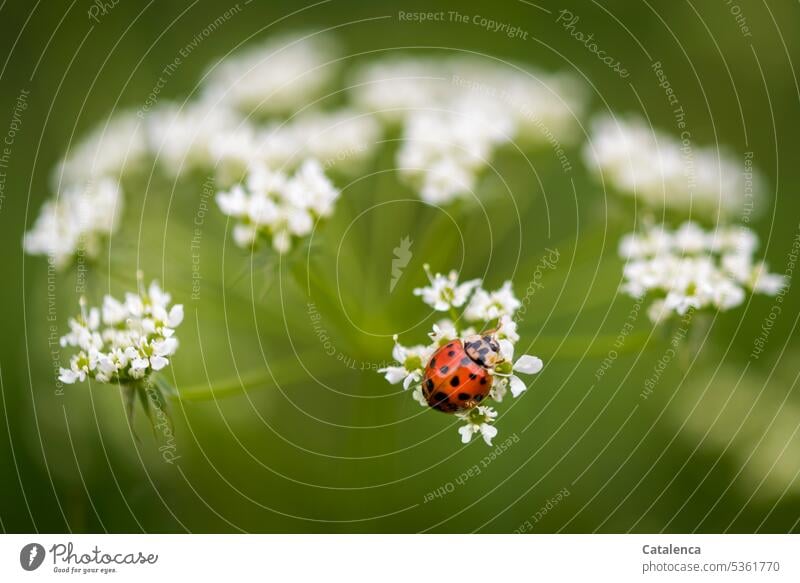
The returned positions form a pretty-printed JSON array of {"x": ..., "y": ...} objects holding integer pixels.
[
  {"x": 483, "y": 381},
  {"x": 440, "y": 397},
  {"x": 433, "y": 363},
  {"x": 429, "y": 385},
  {"x": 450, "y": 345},
  {"x": 466, "y": 360},
  {"x": 479, "y": 397},
  {"x": 463, "y": 396},
  {"x": 444, "y": 369},
  {"x": 454, "y": 382},
  {"x": 472, "y": 376},
  {"x": 451, "y": 353}
]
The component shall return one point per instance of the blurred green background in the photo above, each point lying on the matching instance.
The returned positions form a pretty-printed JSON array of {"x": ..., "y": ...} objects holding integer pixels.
[{"x": 309, "y": 442}]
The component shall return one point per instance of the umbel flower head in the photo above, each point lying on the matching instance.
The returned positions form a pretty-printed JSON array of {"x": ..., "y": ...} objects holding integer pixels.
[
  {"x": 276, "y": 207},
  {"x": 492, "y": 310},
  {"x": 691, "y": 268},
  {"x": 456, "y": 112},
  {"x": 122, "y": 342},
  {"x": 76, "y": 222},
  {"x": 664, "y": 173}
]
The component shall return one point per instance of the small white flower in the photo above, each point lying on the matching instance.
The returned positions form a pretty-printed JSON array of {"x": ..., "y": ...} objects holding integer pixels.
[
  {"x": 478, "y": 420},
  {"x": 443, "y": 331},
  {"x": 411, "y": 364},
  {"x": 526, "y": 364},
  {"x": 486, "y": 306},
  {"x": 444, "y": 291}
]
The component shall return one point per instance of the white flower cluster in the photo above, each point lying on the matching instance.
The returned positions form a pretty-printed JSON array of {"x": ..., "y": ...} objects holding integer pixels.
[
  {"x": 124, "y": 341},
  {"x": 277, "y": 77},
  {"x": 89, "y": 201},
  {"x": 273, "y": 205},
  {"x": 664, "y": 172},
  {"x": 691, "y": 268},
  {"x": 76, "y": 222},
  {"x": 455, "y": 112},
  {"x": 488, "y": 309}
]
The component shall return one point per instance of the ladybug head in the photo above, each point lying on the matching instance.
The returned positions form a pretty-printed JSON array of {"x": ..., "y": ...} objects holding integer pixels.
[{"x": 483, "y": 349}]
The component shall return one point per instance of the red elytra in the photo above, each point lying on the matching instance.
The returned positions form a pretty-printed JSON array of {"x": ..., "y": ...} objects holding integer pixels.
[{"x": 453, "y": 381}]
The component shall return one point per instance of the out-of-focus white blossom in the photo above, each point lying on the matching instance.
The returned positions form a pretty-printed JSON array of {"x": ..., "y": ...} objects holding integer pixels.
[
  {"x": 690, "y": 268},
  {"x": 663, "y": 172},
  {"x": 123, "y": 341},
  {"x": 272, "y": 205},
  {"x": 76, "y": 222},
  {"x": 194, "y": 135},
  {"x": 108, "y": 150},
  {"x": 456, "y": 112},
  {"x": 542, "y": 106},
  {"x": 281, "y": 75},
  {"x": 445, "y": 293}
]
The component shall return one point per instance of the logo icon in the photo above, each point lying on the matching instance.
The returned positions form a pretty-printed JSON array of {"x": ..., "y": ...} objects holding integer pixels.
[
  {"x": 402, "y": 255},
  {"x": 31, "y": 556}
]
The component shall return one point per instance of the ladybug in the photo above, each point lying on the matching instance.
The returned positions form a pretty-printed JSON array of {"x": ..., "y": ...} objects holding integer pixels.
[{"x": 458, "y": 377}]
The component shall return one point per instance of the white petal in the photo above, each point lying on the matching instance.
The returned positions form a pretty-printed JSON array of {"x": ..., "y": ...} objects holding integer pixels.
[
  {"x": 158, "y": 362},
  {"x": 516, "y": 385},
  {"x": 67, "y": 376},
  {"x": 408, "y": 380},
  {"x": 466, "y": 432},
  {"x": 175, "y": 316},
  {"x": 528, "y": 364},
  {"x": 506, "y": 349},
  {"x": 394, "y": 374},
  {"x": 488, "y": 432}
]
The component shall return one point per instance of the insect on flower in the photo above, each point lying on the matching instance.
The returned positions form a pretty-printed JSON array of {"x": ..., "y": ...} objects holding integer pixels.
[{"x": 461, "y": 370}]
